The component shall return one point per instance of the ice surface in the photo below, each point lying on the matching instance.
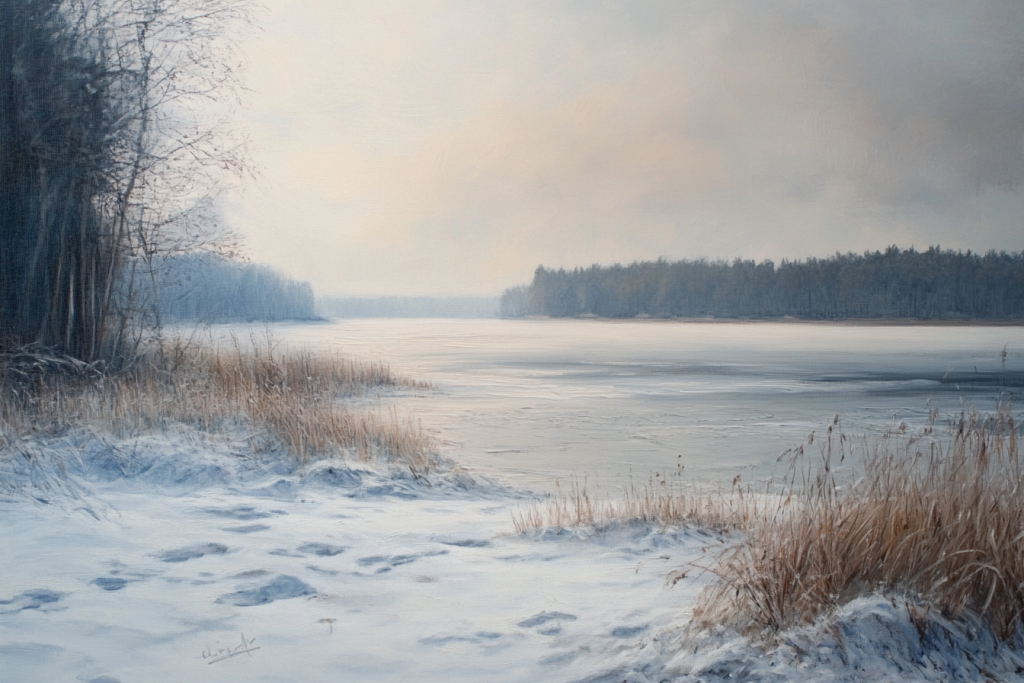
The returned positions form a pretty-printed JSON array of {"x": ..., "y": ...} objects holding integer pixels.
[{"x": 531, "y": 400}]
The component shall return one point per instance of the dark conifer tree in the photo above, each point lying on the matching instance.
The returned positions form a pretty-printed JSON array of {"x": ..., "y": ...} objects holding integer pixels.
[{"x": 933, "y": 284}]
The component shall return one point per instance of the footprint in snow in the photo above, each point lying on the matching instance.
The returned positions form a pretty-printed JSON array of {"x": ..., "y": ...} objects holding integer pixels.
[
  {"x": 193, "y": 552},
  {"x": 542, "y": 618},
  {"x": 469, "y": 543},
  {"x": 110, "y": 583},
  {"x": 247, "y": 529},
  {"x": 37, "y": 598},
  {"x": 321, "y": 549},
  {"x": 478, "y": 637},
  {"x": 281, "y": 587},
  {"x": 628, "y": 631},
  {"x": 128, "y": 573},
  {"x": 391, "y": 561},
  {"x": 566, "y": 657},
  {"x": 251, "y": 574},
  {"x": 321, "y": 570},
  {"x": 243, "y": 513}
]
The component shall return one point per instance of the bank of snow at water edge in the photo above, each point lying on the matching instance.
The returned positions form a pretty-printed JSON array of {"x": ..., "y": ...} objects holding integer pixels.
[{"x": 181, "y": 557}]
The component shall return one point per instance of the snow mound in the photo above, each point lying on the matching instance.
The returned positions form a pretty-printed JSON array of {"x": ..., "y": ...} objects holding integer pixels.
[
  {"x": 68, "y": 467},
  {"x": 183, "y": 459},
  {"x": 637, "y": 537},
  {"x": 30, "y": 471},
  {"x": 870, "y": 638}
]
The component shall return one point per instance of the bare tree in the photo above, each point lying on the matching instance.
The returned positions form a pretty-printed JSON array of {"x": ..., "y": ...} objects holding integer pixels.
[{"x": 115, "y": 140}]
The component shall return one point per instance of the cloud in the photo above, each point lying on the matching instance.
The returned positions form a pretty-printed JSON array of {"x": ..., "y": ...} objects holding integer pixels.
[
  {"x": 904, "y": 103},
  {"x": 447, "y": 147}
]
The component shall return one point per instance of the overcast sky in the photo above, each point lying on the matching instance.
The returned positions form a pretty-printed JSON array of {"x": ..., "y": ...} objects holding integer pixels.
[{"x": 449, "y": 148}]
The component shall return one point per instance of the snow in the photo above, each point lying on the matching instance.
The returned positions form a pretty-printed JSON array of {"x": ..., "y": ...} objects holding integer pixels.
[
  {"x": 188, "y": 562},
  {"x": 869, "y": 638},
  {"x": 183, "y": 556}
]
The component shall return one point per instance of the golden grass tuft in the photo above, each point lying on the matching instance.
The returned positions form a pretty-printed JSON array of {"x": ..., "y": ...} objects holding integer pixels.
[
  {"x": 290, "y": 396},
  {"x": 664, "y": 500},
  {"x": 938, "y": 520}
]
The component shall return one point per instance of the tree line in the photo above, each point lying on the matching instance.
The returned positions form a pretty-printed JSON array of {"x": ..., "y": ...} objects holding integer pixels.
[
  {"x": 205, "y": 288},
  {"x": 931, "y": 284}
]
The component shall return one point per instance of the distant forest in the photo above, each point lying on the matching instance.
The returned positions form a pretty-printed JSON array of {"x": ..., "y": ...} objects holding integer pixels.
[
  {"x": 932, "y": 284},
  {"x": 211, "y": 289},
  {"x": 410, "y": 307}
]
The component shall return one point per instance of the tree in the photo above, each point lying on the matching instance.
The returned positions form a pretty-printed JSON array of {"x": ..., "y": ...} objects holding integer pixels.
[
  {"x": 114, "y": 142},
  {"x": 904, "y": 284}
]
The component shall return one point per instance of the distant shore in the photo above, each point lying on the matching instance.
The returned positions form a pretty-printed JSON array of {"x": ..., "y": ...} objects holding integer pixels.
[{"x": 891, "y": 322}]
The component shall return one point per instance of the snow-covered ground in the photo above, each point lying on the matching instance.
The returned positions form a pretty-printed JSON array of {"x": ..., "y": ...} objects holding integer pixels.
[
  {"x": 331, "y": 573},
  {"x": 183, "y": 557}
]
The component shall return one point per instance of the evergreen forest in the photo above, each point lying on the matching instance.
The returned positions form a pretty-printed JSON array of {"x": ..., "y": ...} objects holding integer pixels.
[{"x": 923, "y": 285}]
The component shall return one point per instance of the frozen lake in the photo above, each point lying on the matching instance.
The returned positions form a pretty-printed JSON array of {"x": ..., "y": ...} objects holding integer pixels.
[{"x": 531, "y": 400}]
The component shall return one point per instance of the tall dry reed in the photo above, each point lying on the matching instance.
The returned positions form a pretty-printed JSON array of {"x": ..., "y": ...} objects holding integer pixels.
[
  {"x": 665, "y": 499},
  {"x": 292, "y": 396},
  {"x": 937, "y": 519}
]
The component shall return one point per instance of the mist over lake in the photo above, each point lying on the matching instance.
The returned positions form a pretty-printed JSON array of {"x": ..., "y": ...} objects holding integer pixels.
[{"x": 530, "y": 400}]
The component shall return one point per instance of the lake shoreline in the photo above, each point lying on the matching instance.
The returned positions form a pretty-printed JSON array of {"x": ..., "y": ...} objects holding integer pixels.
[{"x": 859, "y": 322}]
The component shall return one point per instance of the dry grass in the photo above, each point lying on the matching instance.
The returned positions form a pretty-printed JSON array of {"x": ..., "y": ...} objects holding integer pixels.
[
  {"x": 665, "y": 500},
  {"x": 291, "y": 397},
  {"x": 937, "y": 520}
]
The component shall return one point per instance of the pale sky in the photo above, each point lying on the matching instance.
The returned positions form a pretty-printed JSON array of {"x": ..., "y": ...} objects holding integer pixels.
[{"x": 449, "y": 148}]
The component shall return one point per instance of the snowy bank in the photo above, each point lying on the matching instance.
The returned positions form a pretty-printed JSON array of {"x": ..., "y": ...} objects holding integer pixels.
[
  {"x": 265, "y": 572},
  {"x": 190, "y": 556}
]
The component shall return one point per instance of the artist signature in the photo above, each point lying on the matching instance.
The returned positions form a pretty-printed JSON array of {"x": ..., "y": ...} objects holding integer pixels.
[{"x": 220, "y": 654}]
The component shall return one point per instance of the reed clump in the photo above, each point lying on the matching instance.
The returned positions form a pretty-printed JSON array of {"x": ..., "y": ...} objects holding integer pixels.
[
  {"x": 937, "y": 519},
  {"x": 664, "y": 500},
  {"x": 291, "y": 396}
]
